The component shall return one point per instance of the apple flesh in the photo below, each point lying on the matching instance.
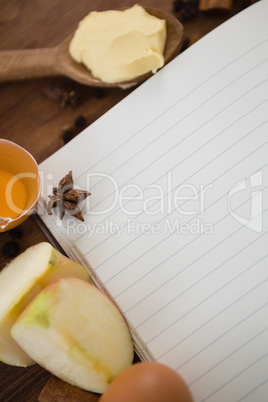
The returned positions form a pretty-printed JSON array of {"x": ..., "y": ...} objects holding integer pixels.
[
  {"x": 77, "y": 333},
  {"x": 20, "y": 282}
]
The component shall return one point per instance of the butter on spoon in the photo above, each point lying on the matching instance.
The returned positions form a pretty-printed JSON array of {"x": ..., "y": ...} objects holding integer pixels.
[
  {"x": 118, "y": 45},
  {"x": 35, "y": 63}
]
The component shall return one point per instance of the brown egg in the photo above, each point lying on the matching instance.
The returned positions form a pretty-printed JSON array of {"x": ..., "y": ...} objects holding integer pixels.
[{"x": 147, "y": 382}]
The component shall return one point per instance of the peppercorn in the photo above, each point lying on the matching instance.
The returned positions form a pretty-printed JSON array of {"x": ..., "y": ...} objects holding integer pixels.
[
  {"x": 186, "y": 9},
  {"x": 98, "y": 93},
  {"x": 80, "y": 123},
  {"x": 10, "y": 249},
  {"x": 67, "y": 136}
]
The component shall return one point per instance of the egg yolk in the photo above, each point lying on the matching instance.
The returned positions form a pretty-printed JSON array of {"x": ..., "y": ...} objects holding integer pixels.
[{"x": 13, "y": 195}]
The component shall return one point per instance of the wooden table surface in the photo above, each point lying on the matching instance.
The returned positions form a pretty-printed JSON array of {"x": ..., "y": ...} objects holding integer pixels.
[{"x": 41, "y": 115}]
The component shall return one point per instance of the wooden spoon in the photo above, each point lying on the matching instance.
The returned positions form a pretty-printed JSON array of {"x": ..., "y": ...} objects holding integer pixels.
[{"x": 33, "y": 63}]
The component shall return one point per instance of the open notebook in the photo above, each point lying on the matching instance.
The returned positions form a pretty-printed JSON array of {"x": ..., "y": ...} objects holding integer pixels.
[{"x": 175, "y": 230}]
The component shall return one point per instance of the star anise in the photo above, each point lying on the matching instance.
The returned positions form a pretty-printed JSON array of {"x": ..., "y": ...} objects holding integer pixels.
[
  {"x": 65, "y": 95},
  {"x": 66, "y": 198}
]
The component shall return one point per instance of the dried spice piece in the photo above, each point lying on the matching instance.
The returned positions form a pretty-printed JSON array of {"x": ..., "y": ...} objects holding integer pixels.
[
  {"x": 10, "y": 249},
  {"x": 66, "y": 96},
  {"x": 71, "y": 131},
  {"x": 186, "y": 9},
  {"x": 211, "y": 5},
  {"x": 70, "y": 97},
  {"x": 80, "y": 123},
  {"x": 185, "y": 44},
  {"x": 67, "y": 135},
  {"x": 66, "y": 198},
  {"x": 99, "y": 93}
]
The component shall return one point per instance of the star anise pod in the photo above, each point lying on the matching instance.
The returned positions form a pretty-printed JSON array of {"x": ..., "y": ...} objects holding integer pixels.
[
  {"x": 66, "y": 198},
  {"x": 65, "y": 95}
]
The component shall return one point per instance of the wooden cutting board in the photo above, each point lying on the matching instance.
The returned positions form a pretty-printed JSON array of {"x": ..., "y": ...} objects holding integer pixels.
[{"x": 58, "y": 390}]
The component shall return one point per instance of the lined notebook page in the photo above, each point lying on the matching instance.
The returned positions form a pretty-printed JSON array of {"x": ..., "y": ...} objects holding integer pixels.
[{"x": 175, "y": 230}]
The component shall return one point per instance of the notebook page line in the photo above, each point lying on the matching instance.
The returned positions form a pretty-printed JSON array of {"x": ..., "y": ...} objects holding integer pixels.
[{"x": 253, "y": 390}]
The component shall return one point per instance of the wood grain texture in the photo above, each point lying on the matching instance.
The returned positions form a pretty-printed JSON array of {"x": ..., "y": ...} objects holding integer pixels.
[
  {"x": 57, "y": 390},
  {"x": 29, "y": 117}
]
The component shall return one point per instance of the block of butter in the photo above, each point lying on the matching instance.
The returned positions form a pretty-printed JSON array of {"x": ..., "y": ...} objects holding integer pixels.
[{"x": 117, "y": 46}]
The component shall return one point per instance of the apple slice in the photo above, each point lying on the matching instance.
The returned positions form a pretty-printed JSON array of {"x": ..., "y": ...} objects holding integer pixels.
[
  {"x": 20, "y": 282},
  {"x": 77, "y": 333}
]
